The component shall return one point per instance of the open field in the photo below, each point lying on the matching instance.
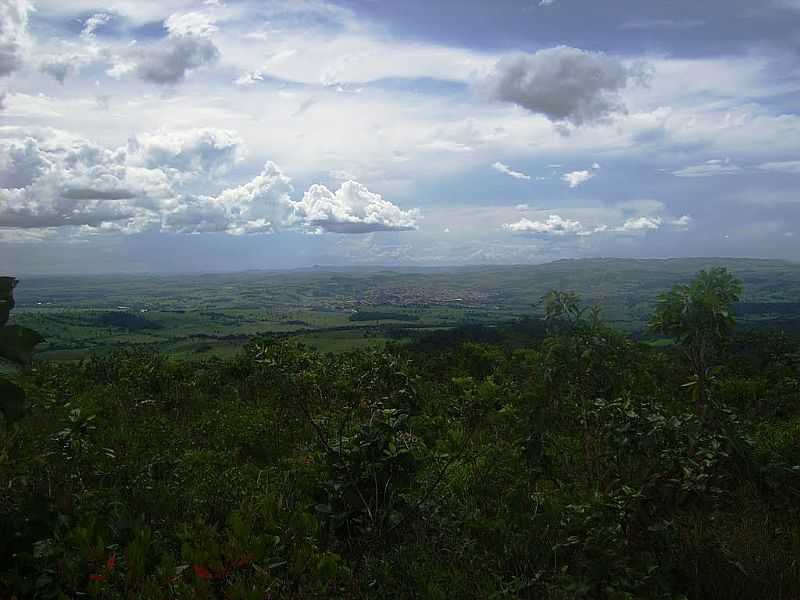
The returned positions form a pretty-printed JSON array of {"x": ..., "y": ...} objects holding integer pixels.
[{"x": 335, "y": 310}]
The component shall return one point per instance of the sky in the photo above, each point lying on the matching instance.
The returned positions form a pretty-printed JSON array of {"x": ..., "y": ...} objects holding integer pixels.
[{"x": 209, "y": 135}]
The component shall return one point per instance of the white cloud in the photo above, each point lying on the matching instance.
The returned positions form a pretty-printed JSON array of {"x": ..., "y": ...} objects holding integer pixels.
[
  {"x": 553, "y": 225},
  {"x": 566, "y": 85},
  {"x": 249, "y": 78},
  {"x": 60, "y": 58},
  {"x": 446, "y": 146},
  {"x": 709, "y": 169},
  {"x": 641, "y": 224},
  {"x": 351, "y": 209},
  {"x": 135, "y": 11},
  {"x": 190, "y": 23},
  {"x": 522, "y": 207},
  {"x": 556, "y": 225},
  {"x": 258, "y": 75},
  {"x": 785, "y": 166},
  {"x": 13, "y": 34},
  {"x": 93, "y": 23},
  {"x": 404, "y": 135},
  {"x": 209, "y": 151},
  {"x": 682, "y": 222},
  {"x": 498, "y": 166},
  {"x": 262, "y": 205},
  {"x": 355, "y": 55},
  {"x": 546, "y": 2},
  {"x": 21, "y": 162},
  {"x": 576, "y": 178},
  {"x": 50, "y": 179}
]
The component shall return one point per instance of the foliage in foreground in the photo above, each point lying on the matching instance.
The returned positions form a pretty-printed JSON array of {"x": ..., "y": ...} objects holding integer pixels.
[{"x": 575, "y": 466}]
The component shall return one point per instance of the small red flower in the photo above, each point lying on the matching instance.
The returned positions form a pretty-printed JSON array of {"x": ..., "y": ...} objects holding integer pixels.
[
  {"x": 202, "y": 572},
  {"x": 97, "y": 577},
  {"x": 111, "y": 562}
]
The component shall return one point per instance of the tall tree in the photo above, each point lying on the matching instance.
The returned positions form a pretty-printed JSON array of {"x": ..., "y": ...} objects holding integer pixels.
[{"x": 699, "y": 318}]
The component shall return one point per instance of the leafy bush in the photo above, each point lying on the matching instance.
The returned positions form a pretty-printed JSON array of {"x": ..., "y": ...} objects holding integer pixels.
[{"x": 570, "y": 466}]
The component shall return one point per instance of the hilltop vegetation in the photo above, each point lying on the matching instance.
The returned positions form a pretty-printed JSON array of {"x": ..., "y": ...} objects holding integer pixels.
[{"x": 555, "y": 458}]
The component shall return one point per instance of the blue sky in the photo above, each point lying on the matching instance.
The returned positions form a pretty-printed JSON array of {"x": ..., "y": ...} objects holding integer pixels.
[{"x": 192, "y": 135}]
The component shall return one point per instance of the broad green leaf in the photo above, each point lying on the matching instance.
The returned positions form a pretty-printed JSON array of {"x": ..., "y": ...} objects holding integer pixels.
[
  {"x": 12, "y": 400},
  {"x": 7, "y": 285},
  {"x": 17, "y": 343}
]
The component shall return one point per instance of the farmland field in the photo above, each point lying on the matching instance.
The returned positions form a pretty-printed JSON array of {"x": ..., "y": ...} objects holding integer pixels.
[{"x": 335, "y": 310}]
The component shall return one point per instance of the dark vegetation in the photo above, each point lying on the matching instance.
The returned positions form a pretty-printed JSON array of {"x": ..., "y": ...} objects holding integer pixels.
[
  {"x": 372, "y": 315},
  {"x": 549, "y": 458},
  {"x": 126, "y": 320}
]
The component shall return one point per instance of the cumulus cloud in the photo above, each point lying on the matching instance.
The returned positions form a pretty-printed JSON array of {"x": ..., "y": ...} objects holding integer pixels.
[
  {"x": 498, "y": 166},
  {"x": 351, "y": 209},
  {"x": 786, "y": 166},
  {"x": 641, "y": 224},
  {"x": 566, "y": 85},
  {"x": 13, "y": 34},
  {"x": 188, "y": 46},
  {"x": 709, "y": 168},
  {"x": 45, "y": 183},
  {"x": 206, "y": 150},
  {"x": 21, "y": 162},
  {"x": 553, "y": 225},
  {"x": 49, "y": 179},
  {"x": 576, "y": 178},
  {"x": 262, "y": 205}
]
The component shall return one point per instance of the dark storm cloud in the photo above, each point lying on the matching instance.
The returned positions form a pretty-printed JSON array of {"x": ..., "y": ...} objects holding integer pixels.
[
  {"x": 563, "y": 84},
  {"x": 168, "y": 62}
]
